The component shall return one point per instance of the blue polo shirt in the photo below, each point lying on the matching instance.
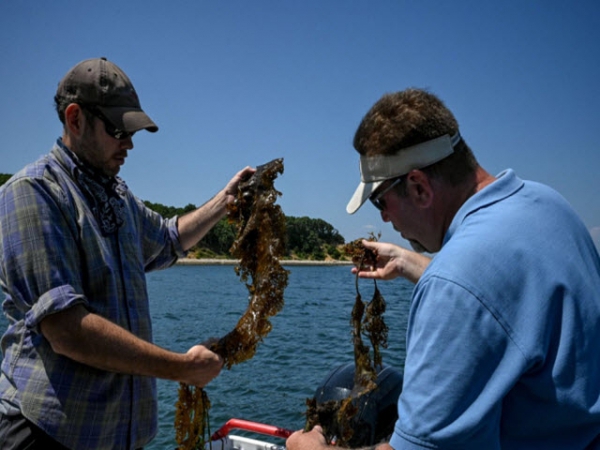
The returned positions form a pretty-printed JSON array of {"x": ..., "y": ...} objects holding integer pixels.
[{"x": 504, "y": 329}]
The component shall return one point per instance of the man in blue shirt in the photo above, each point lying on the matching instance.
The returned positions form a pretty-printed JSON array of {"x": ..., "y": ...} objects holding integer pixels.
[
  {"x": 79, "y": 368},
  {"x": 505, "y": 319}
]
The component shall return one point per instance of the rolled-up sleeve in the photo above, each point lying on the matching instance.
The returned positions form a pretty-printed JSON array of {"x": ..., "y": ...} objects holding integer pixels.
[
  {"x": 38, "y": 258},
  {"x": 52, "y": 301}
]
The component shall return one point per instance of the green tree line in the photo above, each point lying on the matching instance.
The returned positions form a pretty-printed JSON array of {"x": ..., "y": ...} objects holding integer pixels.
[{"x": 306, "y": 238}]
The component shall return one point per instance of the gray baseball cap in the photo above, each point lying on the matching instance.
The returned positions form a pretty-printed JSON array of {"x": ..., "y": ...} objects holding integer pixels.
[{"x": 103, "y": 85}]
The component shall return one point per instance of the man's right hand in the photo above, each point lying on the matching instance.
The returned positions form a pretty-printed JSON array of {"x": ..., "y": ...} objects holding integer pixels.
[
  {"x": 204, "y": 366},
  {"x": 393, "y": 262}
]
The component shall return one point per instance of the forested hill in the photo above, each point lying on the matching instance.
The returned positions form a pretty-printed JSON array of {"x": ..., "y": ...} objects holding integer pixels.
[
  {"x": 307, "y": 238},
  {"x": 312, "y": 239}
]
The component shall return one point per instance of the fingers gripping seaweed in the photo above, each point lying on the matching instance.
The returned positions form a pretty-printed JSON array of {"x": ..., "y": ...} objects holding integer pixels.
[
  {"x": 335, "y": 416},
  {"x": 259, "y": 243}
]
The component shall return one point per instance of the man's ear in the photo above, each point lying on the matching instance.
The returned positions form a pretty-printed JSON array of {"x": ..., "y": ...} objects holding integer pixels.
[
  {"x": 74, "y": 120},
  {"x": 420, "y": 189}
]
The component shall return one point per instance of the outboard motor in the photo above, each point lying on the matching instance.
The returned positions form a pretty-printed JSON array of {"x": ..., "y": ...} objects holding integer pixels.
[{"x": 377, "y": 410}]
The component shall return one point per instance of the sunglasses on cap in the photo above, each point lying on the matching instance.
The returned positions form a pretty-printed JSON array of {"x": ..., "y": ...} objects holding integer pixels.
[
  {"x": 377, "y": 198},
  {"x": 109, "y": 127}
]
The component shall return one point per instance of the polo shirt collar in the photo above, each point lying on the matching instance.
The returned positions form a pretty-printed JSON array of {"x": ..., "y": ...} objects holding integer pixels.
[{"x": 506, "y": 184}]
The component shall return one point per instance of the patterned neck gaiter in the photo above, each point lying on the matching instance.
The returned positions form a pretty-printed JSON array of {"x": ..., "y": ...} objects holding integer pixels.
[{"x": 105, "y": 194}]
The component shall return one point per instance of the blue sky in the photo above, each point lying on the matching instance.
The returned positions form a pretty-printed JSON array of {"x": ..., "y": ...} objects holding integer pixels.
[{"x": 238, "y": 83}]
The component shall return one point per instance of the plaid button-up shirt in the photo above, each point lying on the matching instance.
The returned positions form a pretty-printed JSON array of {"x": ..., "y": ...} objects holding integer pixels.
[{"x": 54, "y": 256}]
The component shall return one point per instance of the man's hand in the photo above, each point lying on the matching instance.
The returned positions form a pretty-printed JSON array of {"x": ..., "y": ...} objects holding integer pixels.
[
  {"x": 393, "y": 262},
  {"x": 205, "y": 365},
  {"x": 232, "y": 187},
  {"x": 312, "y": 440}
]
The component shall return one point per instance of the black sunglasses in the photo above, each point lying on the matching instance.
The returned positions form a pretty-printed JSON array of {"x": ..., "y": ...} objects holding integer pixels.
[
  {"x": 109, "y": 127},
  {"x": 377, "y": 199}
]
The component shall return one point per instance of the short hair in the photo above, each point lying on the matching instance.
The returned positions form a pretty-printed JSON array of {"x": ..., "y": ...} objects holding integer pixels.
[
  {"x": 410, "y": 117},
  {"x": 61, "y": 103}
]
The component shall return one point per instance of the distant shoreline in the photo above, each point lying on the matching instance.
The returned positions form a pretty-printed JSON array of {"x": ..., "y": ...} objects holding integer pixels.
[{"x": 284, "y": 262}]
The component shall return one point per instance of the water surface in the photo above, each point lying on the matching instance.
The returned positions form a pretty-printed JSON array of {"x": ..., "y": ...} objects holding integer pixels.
[{"x": 310, "y": 337}]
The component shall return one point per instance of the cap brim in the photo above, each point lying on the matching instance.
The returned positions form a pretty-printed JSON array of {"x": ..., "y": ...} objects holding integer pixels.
[
  {"x": 361, "y": 195},
  {"x": 374, "y": 170},
  {"x": 129, "y": 119}
]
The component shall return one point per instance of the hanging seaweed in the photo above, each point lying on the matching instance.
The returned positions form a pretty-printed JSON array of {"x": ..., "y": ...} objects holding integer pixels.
[
  {"x": 259, "y": 243},
  {"x": 335, "y": 416},
  {"x": 191, "y": 417}
]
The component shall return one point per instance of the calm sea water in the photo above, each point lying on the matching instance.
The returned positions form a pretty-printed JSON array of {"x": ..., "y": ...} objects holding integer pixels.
[{"x": 310, "y": 337}]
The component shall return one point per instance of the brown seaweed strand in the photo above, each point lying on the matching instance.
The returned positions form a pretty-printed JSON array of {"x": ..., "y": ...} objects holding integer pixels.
[
  {"x": 335, "y": 417},
  {"x": 364, "y": 375},
  {"x": 374, "y": 325},
  {"x": 259, "y": 244},
  {"x": 191, "y": 418}
]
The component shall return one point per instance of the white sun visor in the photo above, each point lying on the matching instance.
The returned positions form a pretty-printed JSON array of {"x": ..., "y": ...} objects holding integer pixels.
[{"x": 376, "y": 169}]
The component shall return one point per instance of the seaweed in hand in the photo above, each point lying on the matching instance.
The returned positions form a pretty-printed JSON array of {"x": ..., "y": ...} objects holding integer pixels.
[
  {"x": 335, "y": 416},
  {"x": 191, "y": 417},
  {"x": 259, "y": 243}
]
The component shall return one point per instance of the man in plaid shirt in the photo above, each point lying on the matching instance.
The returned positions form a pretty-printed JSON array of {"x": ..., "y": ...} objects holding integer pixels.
[{"x": 79, "y": 366}]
